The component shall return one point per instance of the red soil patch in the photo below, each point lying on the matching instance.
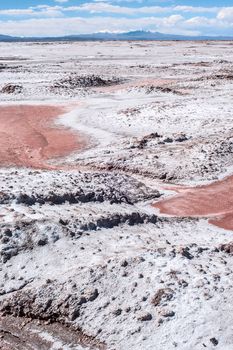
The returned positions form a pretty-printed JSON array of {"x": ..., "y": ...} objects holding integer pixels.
[
  {"x": 225, "y": 221},
  {"x": 29, "y": 138},
  {"x": 214, "y": 200}
]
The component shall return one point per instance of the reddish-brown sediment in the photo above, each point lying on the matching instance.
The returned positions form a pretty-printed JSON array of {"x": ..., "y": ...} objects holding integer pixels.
[
  {"x": 214, "y": 201},
  {"x": 29, "y": 137}
]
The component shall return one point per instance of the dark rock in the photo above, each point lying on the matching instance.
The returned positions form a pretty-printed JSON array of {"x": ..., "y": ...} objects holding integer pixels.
[
  {"x": 214, "y": 341},
  {"x": 163, "y": 294},
  {"x": 92, "y": 226},
  {"x": 181, "y": 138},
  {"x": 124, "y": 263},
  {"x": 117, "y": 312},
  {"x": 185, "y": 252},
  {"x": 63, "y": 222},
  {"x": 227, "y": 248},
  {"x": 8, "y": 252},
  {"x": 8, "y": 232},
  {"x": 5, "y": 240},
  {"x": 91, "y": 294},
  {"x": 163, "y": 176},
  {"x": 25, "y": 199},
  {"x": 144, "y": 316},
  {"x": 75, "y": 81},
  {"x": 168, "y": 313},
  {"x": 75, "y": 314},
  {"x": 168, "y": 140},
  {"x": 42, "y": 241},
  {"x": 11, "y": 89}
]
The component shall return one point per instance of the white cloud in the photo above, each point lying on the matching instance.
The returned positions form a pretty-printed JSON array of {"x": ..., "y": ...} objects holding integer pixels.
[
  {"x": 100, "y": 6},
  {"x": 48, "y": 20},
  {"x": 200, "y": 22},
  {"x": 17, "y": 12},
  {"x": 226, "y": 14},
  {"x": 196, "y": 9},
  {"x": 37, "y": 11},
  {"x": 76, "y": 25}
]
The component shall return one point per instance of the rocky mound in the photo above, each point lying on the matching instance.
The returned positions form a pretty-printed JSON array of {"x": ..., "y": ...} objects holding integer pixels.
[{"x": 74, "y": 82}]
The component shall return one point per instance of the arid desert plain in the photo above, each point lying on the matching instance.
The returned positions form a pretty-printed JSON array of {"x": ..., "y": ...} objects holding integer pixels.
[{"x": 116, "y": 195}]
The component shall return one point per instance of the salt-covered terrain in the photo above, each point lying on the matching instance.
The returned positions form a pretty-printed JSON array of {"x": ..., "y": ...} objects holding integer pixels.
[{"x": 116, "y": 224}]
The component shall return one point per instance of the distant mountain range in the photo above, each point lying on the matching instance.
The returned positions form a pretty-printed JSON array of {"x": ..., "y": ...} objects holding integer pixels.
[{"x": 134, "y": 35}]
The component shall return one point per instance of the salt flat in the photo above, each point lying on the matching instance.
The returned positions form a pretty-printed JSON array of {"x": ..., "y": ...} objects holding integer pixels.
[{"x": 94, "y": 136}]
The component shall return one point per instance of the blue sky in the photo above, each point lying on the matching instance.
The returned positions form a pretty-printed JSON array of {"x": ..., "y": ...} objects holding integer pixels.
[{"x": 63, "y": 17}]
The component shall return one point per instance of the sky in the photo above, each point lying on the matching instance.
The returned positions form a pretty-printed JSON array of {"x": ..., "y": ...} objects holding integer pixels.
[{"x": 65, "y": 17}]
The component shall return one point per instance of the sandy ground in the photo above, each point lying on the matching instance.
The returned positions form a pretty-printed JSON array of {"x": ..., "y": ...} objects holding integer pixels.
[{"x": 114, "y": 167}]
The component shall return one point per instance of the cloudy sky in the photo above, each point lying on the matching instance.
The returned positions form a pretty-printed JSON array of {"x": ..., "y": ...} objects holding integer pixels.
[{"x": 63, "y": 17}]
